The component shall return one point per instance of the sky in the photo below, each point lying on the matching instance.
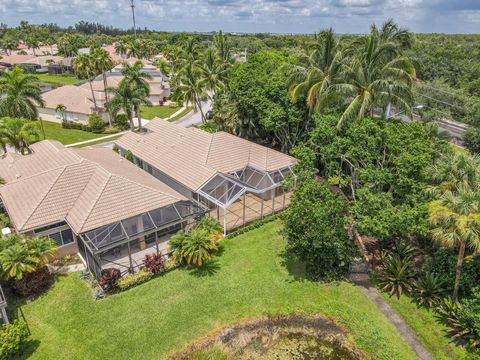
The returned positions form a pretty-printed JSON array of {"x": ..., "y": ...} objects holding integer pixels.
[{"x": 276, "y": 16}]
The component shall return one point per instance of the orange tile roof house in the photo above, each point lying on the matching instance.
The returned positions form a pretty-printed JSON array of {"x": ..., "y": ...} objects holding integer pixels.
[
  {"x": 94, "y": 199},
  {"x": 238, "y": 179}
]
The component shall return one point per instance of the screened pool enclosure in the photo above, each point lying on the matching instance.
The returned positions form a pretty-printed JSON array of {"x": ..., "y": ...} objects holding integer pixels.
[
  {"x": 245, "y": 195},
  {"x": 124, "y": 244}
]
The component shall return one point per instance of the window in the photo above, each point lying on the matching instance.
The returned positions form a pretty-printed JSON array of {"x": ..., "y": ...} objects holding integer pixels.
[
  {"x": 48, "y": 227},
  {"x": 62, "y": 237}
]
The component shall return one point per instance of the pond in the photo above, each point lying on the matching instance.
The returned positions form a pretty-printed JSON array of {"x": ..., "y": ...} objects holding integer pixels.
[{"x": 297, "y": 337}]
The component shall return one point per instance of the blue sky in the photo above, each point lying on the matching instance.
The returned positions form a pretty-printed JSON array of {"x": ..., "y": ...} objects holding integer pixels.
[{"x": 283, "y": 16}]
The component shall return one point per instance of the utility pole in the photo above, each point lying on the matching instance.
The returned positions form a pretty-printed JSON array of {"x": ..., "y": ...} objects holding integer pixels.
[{"x": 133, "y": 15}]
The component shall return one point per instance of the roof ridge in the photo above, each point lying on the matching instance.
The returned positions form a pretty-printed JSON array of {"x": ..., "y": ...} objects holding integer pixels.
[
  {"x": 209, "y": 148},
  {"x": 109, "y": 176},
  {"x": 44, "y": 196}
]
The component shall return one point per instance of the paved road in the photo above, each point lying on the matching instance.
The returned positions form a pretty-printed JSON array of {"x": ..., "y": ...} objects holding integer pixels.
[
  {"x": 194, "y": 118},
  {"x": 454, "y": 128}
]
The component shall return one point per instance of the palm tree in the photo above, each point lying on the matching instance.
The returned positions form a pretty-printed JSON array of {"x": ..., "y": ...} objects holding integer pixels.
[
  {"x": 314, "y": 75},
  {"x": 213, "y": 72},
  {"x": 136, "y": 78},
  {"x": 84, "y": 69},
  {"x": 376, "y": 75},
  {"x": 126, "y": 99},
  {"x": 192, "y": 88},
  {"x": 455, "y": 221},
  {"x": 452, "y": 171},
  {"x": 121, "y": 48},
  {"x": 18, "y": 132},
  {"x": 19, "y": 255},
  {"x": 33, "y": 43},
  {"x": 60, "y": 108},
  {"x": 102, "y": 62},
  {"x": 21, "y": 94},
  {"x": 222, "y": 47},
  {"x": 9, "y": 45}
]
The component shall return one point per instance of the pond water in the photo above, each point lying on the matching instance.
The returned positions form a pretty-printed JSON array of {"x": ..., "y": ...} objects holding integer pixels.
[{"x": 294, "y": 337}]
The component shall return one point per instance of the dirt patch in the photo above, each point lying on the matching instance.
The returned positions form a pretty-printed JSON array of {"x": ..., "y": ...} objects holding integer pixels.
[{"x": 296, "y": 336}]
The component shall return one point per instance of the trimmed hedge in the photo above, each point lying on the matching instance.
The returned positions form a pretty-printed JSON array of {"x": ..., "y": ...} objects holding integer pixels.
[
  {"x": 77, "y": 126},
  {"x": 254, "y": 225},
  {"x": 132, "y": 280}
]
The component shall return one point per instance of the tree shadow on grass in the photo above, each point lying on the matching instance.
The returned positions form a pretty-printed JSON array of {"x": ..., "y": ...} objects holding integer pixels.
[
  {"x": 29, "y": 347},
  {"x": 294, "y": 266},
  {"x": 208, "y": 269}
]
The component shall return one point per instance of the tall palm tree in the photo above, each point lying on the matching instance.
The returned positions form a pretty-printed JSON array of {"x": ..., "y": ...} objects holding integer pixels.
[
  {"x": 222, "y": 47},
  {"x": 192, "y": 88},
  {"x": 376, "y": 75},
  {"x": 18, "y": 132},
  {"x": 136, "y": 78},
  {"x": 126, "y": 99},
  {"x": 213, "y": 72},
  {"x": 21, "y": 94},
  {"x": 455, "y": 221},
  {"x": 314, "y": 74},
  {"x": 84, "y": 69},
  {"x": 102, "y": 62}
]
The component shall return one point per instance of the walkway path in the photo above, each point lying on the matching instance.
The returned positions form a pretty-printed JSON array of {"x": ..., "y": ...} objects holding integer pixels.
[
  {"x": 362, "y": 279},
  {"x": 96, "y": 140}
]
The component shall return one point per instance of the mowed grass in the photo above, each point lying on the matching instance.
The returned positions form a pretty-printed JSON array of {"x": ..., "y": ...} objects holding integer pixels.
[
  {"x": 431, "y": 332},
  {"x": 181, "y": 115},
  {"x": 163, "y": 112},
  {"x": 58, "y": 79},
  {"x": 54, "y": 131},
  {"x": 152, "y": 320}
]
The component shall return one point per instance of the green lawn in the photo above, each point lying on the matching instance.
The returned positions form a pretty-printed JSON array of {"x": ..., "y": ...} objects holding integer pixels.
[
  {"x": 249, "y": 279},
  {"x": 58, "y": 79},
  {"x": 55, "y": 131},
  {"x": 181, "y": 115},
  {"x": 149, "y": 112},
  {"x": 430, "y": 332}
]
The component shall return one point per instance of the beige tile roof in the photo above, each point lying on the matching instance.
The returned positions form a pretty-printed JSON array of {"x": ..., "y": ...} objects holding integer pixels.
[
  {"x": 191, "y": 156},
  {"x": 88, "y": 188},
  {"x": 76, "y": 98}
]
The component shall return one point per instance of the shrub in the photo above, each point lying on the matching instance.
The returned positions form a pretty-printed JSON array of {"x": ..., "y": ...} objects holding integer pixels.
[
  {"x": 129, "y": 156},
  {"x": 32, "y": 283},
  {"x": 4, "y": 221},
  {"x": 211, "y": 226},
  {"x": 76, "y": 126},
  {"x": 132, "y": 280},
  {"x": 428, "y": 290},
  {"x": 154, "y": 263},
  {"x": 109, "y": 279},
  {"x": 442, "y": 263},
  {"x": 254, "y": 225},
  {"x": 315, "y": 228},
  {"x": 463, "y": 320},
  {"x": 96, "y": 123},
  {"x": 471, "y": 139},
  {"x": 396, "y": 277},
  {"x": 12, "y": 338},
  {"x": 111, "y": 130},
  {"x": 195, "y": 248},
  {"x": 116, "y": 148},
  {"x": 121, "y": 122}
]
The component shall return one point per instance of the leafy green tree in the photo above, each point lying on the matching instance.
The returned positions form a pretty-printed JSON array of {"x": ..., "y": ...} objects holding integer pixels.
[
  {"x": 21, "y": 94},
  {"x": 471, "y": 139},
  {"x": 315, "y": 229},
  {"x": 97, "y": 124}
]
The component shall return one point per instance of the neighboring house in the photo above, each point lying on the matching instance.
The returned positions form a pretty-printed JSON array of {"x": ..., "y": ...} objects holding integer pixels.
[
  {"x": 79, "y": 103},
  {"x": 237, "y": 179},
  {"x": 92, "y": 201},
  {"x": 38, "y": 64},
  {"x": 77, "y": 100}
]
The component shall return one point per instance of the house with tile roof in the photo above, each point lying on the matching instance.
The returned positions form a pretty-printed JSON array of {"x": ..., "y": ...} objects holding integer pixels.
[
  {"x": 92, "y": 201},
  {"x": 238, "y": 180}
]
